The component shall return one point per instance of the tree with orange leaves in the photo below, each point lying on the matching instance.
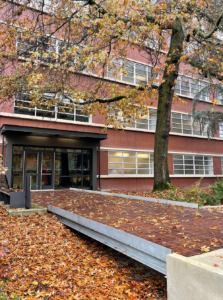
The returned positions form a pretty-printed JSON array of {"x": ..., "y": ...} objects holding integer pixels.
[{"x": 94, "y": 37}]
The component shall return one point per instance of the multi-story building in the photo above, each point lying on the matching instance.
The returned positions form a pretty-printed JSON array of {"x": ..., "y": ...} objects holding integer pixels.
[{"x": 65, "y": 148}]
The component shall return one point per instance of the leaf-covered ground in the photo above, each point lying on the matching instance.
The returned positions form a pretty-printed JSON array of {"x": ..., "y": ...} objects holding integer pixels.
[
  {"x": 184, "y": 231},
  {"x": 199, "y": 195},
  {"x": 45, "y": 260}
]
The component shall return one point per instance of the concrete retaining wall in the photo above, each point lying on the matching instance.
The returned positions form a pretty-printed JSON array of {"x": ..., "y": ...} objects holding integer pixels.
[
  {"x": 163, "y": 201},
  {"x": 195, "y": 278}
]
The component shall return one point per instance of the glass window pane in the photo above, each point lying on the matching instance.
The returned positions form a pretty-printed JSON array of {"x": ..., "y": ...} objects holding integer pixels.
[
  {"x": 115, "y": 159},
  {"x": 126, "y": 154},
  {"x": 17, "y": 182},
  {"x": 129, "y": 166},
  {"x": 115, "y": 171},
  {"x": 67, "y": 182},
  {"x": 178, "y": 171},
  {"x": 143, "y": 166},
  {"x": 143, "y": 155},
  {"x": 129, "y": 171},
  {"x": 144, "y": 171},
  {"x": 129, "y": 160},
  {"x": 115, "y": 166},
  {"x": 143, "y": 160},
  {"x": 17, "y": 161},
  {"x": 112, "y": 153}
]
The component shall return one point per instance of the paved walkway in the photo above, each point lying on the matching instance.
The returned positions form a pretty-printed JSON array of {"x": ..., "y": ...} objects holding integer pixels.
[{"x": 185, "y": 231}]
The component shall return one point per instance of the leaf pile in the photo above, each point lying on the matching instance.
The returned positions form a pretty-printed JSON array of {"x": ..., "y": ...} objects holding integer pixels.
[{"x": 48, "y": 261}]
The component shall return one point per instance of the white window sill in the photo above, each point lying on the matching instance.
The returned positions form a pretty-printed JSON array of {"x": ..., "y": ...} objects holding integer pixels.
[{"x": 152, "y": 176}]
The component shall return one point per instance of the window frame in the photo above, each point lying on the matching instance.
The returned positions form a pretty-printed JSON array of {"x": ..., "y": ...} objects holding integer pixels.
[
  {"x": 123, "y": 162},
  {"x": 185, "y": 167}
]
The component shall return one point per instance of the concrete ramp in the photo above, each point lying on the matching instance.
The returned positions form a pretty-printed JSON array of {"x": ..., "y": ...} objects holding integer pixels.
[{"x": 146, "y": 252}]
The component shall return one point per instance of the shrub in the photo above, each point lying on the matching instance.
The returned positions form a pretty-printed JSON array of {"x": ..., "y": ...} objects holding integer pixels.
[{"x": 218, "y": 188}]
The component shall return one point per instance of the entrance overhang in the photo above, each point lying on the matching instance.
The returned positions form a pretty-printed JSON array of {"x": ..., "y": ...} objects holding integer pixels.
[{"x": 47, "y": 132}]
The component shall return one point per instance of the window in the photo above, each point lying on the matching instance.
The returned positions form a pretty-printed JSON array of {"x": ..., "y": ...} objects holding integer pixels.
[
  {"x": 222, "y": 165},
  {"x": 190, "y": 87},
  {"x": 130, "y": 163},
  {"x": 146, "y": 121},
  {"x": 221, "y": 130},
  {"x": 183, "y": 123},
  {"x": 48, "y": 109},
  {"x": 48, "y": 49},
  {"x": 220, "y": 95},
  {"x": 136, "y": 73},
  {"x": 17, "y": 167},
  {"x": 45, "y": 48},
  {"x": 192, "y": 164}
]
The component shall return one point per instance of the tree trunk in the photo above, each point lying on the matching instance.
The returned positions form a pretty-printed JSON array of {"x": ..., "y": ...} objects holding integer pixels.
[{"x": 166, "y": 92}]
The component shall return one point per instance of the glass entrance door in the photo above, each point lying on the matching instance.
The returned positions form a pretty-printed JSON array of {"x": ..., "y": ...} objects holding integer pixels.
[
  {"x": 31, "y": 165},
  {"x": 40, "y": 164},
  {"x": 46, "y": 170},
  {"x": 72, "y": 168}
]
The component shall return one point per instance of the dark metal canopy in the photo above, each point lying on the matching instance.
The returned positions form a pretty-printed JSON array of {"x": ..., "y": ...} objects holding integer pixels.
[{"x": 37, "y": 131}]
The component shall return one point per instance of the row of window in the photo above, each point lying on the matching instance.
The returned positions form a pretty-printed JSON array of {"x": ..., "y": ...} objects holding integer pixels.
[
  {"x": 181, "y": 123},
  {"x": 134, "y": 72},
  {"x": 146, "y": 121},
  {"x": 49, "y": 110},
  {"x": 141, "y": 74},
  {"x": 142, "y": 163}
]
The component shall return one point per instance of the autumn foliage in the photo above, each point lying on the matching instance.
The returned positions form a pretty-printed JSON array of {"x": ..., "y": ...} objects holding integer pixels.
[
  {"x": 98, "y": 37},
  {"x": 48, "y": 261}
]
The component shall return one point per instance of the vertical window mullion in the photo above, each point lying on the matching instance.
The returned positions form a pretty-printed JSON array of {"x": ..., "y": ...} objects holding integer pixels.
[
  {"x": 121, "y": 72},
  {"x": 182, "y": 123},
  {"x": 184, "y": 167},
  {"x": 194, "y": 163},
  {"x": 134, "y": 72},
  {"x": 204, "y": 167},
  {"x": 148, "y": 117},
  {"x": 136, "y": 153},
  {"x": 74, "y": 113},
  {"x": 56, "y": 109},
  {"x": 147, "y": 74},
  {"x": 190, "y": 85},
  {"x": 180, "y": 87}
]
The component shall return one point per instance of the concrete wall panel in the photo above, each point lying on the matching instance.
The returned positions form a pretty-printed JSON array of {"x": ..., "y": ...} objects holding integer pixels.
[{"x": 195, "y": 278}]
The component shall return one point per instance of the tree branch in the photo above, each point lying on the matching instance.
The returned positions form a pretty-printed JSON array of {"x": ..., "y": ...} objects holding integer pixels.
[
  {"x": 204, "y": 70},
  {"x": 205, "y": 36}
]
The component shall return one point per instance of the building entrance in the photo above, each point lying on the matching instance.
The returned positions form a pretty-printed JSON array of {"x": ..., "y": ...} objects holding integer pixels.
[{"x": 53, "y": 168}]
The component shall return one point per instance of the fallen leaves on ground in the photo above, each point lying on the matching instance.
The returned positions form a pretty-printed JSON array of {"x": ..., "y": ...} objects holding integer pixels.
[
  {"x": 191, "y": 195},
  {"x": 48, "y": 261},
  {"x": 183, "y": 230}
]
